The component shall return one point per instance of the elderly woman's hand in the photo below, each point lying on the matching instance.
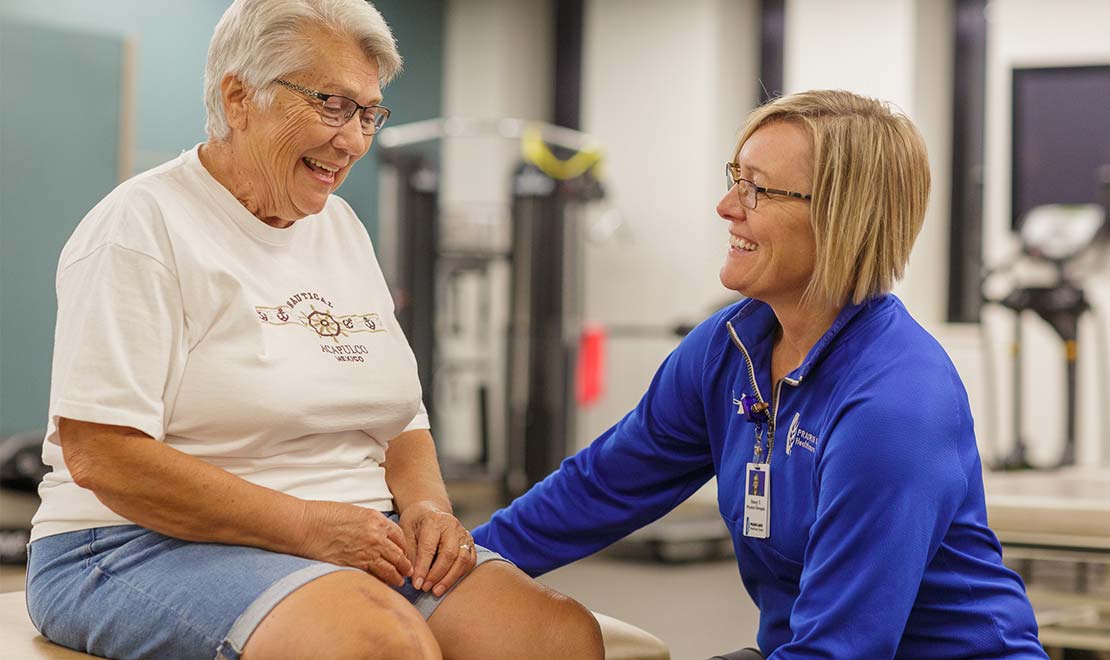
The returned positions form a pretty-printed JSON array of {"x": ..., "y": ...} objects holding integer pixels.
[
  {"x": 350, "y": 535},
  {"x": 440, "y": 548}
]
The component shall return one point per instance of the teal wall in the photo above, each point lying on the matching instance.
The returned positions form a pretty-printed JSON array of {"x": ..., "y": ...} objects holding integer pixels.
[
  {"x": 171, "y": 40},
  {"x": 40, "y": 207},
  {"x": 57, "y": 156}
]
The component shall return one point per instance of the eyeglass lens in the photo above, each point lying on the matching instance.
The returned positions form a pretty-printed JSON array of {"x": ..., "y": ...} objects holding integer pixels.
[
  {"x": 744, "y": 190},
  {"x": 337, "y": 111}
]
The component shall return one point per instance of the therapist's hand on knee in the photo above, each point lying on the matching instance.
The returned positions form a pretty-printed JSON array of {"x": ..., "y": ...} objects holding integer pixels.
[
  {"x": 349, "y": 535},
  {"x": 441, "y": 550}
]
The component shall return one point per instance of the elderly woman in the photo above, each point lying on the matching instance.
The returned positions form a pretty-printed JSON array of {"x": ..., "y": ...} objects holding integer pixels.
[
  {"x": 837, "y": 428},
  {"x": 241, "y": 463}
]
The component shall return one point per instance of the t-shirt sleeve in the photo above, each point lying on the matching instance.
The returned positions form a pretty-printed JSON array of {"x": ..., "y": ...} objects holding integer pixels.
[
  {"x": 119, "y": 340},
  {"x": 420, "y": 421}
]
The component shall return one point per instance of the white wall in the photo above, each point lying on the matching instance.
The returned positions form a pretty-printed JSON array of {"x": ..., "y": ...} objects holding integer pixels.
[
  {"x": 898, "y": 51},
  {"x": 1021, "y": 34},
  {"x": 666, "y": 86},
  {"x": 498, "y": 63}
]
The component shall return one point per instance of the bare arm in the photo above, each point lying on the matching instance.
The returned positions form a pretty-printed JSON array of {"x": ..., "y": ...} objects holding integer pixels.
[
  {"x": 412, "y": 471},
  {"x": 170, "y": 492},
  {"x": 439, "y": 547},
  {"x": 165, "y": 490}
]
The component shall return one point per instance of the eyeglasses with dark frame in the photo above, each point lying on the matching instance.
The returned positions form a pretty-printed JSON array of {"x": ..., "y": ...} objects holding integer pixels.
[
  {"x": 748, "y": 192},
  {"x": 336, "y": 110}
]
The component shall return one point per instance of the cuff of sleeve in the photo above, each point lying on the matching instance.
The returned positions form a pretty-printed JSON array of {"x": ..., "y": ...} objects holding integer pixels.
[
  {"x": 419, "y": 422},
  {"x": 88, "y": 412}
]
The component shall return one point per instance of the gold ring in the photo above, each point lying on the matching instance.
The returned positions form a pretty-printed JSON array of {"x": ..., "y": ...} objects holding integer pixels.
[{"x": 465, "y": 546}]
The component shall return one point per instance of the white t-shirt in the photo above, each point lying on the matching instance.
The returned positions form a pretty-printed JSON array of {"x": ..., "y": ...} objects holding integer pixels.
[{"x": 271, "y": 353}]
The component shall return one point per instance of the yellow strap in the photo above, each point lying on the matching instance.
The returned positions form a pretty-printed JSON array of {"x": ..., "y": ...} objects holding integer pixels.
[{"x": 534, "y": 150}]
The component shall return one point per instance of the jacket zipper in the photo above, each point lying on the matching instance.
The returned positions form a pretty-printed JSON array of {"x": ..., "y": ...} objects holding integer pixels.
[
  {"x": 771, "y": 423},
  {"x": 748, "y": 358},
  {"x": 755, "y": 386}
]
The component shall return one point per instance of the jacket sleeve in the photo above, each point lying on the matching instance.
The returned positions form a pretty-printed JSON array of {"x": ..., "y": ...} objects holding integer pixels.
[
  {"x": 890, "y": 481},
  {"x": 638, "y": 470}
]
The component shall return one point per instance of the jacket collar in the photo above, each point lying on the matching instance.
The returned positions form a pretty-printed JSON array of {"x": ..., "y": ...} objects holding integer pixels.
[{"x": 755, "y": 320}]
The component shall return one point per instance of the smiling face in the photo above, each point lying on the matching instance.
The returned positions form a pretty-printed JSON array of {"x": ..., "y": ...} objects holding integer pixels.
[
  {"x": 772, "y": 249},
  {"x": 287, "y": 161}
]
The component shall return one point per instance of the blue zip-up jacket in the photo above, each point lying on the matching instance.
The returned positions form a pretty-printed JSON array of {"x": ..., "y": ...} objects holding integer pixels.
[{"x": 879, "y": 545}]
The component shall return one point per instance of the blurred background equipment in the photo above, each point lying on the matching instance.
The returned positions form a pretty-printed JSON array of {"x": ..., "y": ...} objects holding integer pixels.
[
  {"x": 1059, "y": 193},
  {"x": 21, "y": 470},
  {"x": 1056, "y": 235},
  {"x": 489, "y": 293}
]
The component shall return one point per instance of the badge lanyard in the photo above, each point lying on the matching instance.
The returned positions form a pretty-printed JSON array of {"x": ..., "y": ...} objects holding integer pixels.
[{"x": 757, "y": 474}]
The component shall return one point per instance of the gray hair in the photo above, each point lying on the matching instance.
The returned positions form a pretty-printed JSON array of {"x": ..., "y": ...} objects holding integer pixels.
[{"x": 259, "y": 40}]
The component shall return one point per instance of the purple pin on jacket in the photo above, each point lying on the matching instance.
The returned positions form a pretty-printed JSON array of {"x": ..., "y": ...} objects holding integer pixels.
[{"x": 754, "y": 410}]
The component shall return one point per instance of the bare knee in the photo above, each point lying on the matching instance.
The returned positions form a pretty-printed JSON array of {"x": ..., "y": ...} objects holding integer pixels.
[
  {"x": 574, "y": 632},
  {"x": 499, "y": 613},
  {"x": 345, "y": 616}
]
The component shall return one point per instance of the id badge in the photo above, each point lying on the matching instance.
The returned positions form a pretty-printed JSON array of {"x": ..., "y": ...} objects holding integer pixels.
[{"x": 757, "y": 501}]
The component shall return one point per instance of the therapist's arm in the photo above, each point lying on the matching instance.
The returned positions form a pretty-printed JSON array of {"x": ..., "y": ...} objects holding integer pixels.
[
  {"x": 165, "y": 490},
  {"x": 641, "y": 468}
]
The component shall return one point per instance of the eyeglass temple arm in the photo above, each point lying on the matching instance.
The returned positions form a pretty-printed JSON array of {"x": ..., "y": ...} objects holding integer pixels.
[{"x": 788, "y": 193}]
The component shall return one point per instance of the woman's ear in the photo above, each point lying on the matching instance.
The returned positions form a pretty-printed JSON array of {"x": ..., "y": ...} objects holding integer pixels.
[{"x": 237, "y": 99}]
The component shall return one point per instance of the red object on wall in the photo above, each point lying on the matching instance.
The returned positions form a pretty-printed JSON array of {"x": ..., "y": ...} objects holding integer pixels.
[{"x": 591, "y": 364}]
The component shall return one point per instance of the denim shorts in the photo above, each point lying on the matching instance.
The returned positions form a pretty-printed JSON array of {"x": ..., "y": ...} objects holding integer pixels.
[{"x": 126, "y": 592}]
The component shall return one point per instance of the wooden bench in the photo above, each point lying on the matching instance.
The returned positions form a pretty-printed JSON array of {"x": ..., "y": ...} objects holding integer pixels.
[
  {"x": 20, "y": 641},
  {"x": 18, "y": 637}
]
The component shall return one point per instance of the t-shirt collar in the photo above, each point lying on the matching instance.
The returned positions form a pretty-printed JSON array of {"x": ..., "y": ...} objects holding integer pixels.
[{"x": 235, "y": 210}]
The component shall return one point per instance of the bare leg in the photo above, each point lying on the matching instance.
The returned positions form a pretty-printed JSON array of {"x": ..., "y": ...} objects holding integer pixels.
[
  {"x": 499, "y": 613},
  {"x": 343, "y": 616}
]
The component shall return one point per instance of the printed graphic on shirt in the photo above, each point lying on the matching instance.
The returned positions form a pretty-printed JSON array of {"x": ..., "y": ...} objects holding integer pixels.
[
  {"x": 800, "y": 437},
  {"x": 317, "y": 314}
]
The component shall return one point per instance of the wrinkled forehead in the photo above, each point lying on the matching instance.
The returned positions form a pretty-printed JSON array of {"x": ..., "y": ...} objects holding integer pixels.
[{"x": 338, "y": 65}]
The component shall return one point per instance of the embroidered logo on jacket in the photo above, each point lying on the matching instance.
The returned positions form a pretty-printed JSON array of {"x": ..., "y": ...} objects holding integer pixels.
[{"x": 800, "y": 437}]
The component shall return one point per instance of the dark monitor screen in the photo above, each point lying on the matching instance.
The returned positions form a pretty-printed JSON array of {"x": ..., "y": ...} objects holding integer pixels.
[{"x": 1061, "y": 136}]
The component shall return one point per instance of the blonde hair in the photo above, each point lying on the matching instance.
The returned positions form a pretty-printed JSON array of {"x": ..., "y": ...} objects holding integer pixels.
[
  {"x": 870, "y": 189},
  {"x": 259, "y": 40}
]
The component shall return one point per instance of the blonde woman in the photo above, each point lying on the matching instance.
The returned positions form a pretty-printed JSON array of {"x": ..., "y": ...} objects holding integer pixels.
[{"x": 837, "y": 428}]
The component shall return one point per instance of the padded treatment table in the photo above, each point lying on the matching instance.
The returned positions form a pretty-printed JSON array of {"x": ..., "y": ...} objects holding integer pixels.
[
  {"x": 20, "y": 641},
  {"x": 1051, "y": 509},
  {"x": 1058, "y": 518}
]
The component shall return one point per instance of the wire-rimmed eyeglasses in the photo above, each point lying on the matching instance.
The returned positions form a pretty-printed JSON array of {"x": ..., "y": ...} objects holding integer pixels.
[
  {"x": 336, "y": 110},
  {"x": 748, "y": 191}
]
